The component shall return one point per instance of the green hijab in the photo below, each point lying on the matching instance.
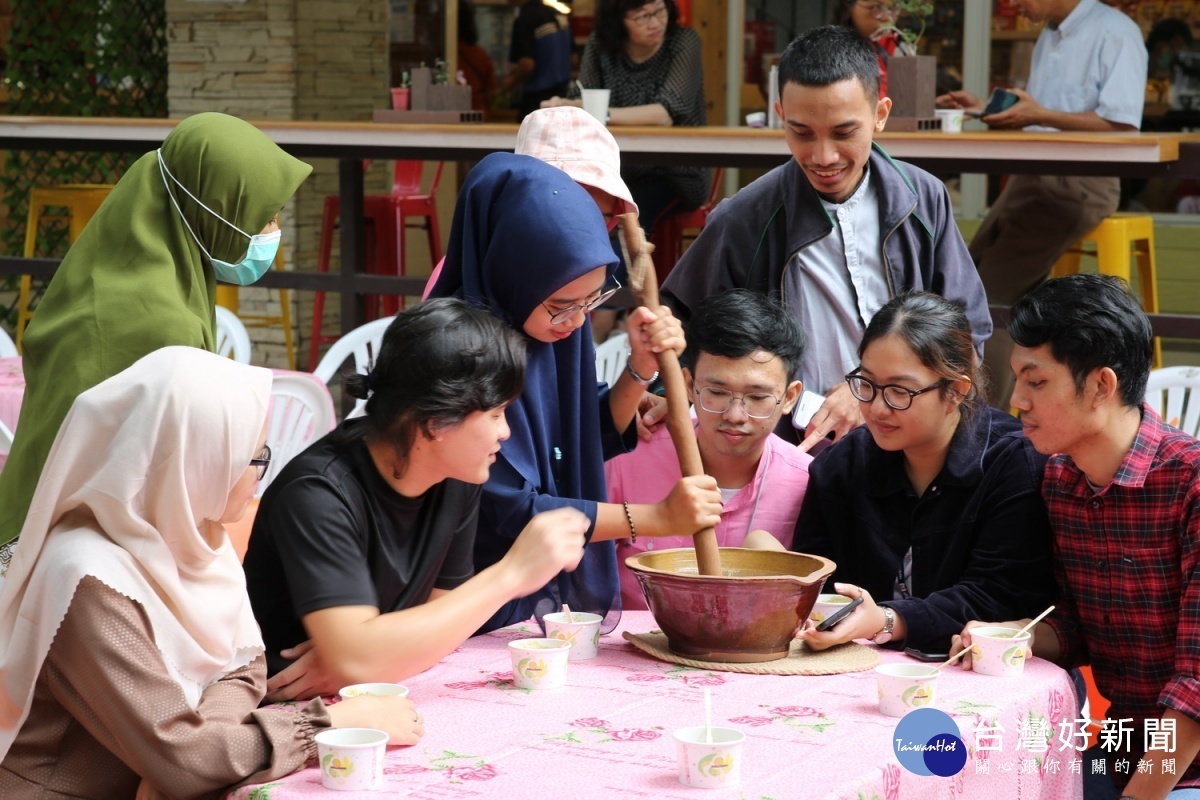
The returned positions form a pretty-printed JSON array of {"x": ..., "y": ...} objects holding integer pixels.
[{"x": 136, "y": 281}]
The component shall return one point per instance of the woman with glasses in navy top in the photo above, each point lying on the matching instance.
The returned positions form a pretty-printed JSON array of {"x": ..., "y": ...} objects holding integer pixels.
[
  {"x": 529, "y": 245},
  {"x": 932, "y": 510}
]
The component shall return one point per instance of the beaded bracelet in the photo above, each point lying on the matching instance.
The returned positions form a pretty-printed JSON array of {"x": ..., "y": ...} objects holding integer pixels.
[
  {"x": 638, "y": 378},
  {"x": 629, "y": 518}
]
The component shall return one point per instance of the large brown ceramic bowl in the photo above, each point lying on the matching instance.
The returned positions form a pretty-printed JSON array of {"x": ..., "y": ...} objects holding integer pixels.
[{"x": 747, "y": 614}]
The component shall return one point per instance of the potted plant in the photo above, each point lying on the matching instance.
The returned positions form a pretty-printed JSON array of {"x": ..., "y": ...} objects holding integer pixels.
[
  {"x": 400, "y": 94},
  {"x": 912, "y": 78}
]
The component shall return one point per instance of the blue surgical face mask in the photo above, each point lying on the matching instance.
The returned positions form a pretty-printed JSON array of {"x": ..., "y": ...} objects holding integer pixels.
[{"x": 260, "y": 253}]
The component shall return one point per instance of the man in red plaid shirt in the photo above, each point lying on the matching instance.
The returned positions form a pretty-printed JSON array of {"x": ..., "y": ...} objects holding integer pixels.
[{"x": 1123, "y": 492}]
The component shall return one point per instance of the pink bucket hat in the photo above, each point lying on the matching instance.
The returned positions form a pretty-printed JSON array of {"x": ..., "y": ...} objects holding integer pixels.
[{"x": 574, "y": 141}]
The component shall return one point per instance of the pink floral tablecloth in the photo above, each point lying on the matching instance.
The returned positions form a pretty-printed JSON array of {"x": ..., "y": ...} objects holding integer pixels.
[
  {"x": 608, "y": 732},
  {"x": 12, "y": 390}
]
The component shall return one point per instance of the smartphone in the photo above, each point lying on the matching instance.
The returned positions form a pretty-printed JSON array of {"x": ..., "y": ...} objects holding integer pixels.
[
  {"x": 1001, "y": 100},
  {"x": 920, "y": 655},
  {"x": 839, "y": 615}
]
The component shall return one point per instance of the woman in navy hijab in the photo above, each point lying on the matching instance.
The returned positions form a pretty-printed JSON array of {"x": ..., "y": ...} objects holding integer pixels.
[{"x": 531, "y": 246}]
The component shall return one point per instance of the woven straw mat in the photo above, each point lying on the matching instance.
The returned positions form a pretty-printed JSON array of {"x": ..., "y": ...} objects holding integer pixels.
[{"x": 848, "y": 657}]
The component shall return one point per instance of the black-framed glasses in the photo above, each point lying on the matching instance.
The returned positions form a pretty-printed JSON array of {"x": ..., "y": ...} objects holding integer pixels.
[
  {"x": 562, "y": 315},
  {"x": 758, "y": 405},
  {"x": 643, "y": 19},
  {"x": 898, "y": 398},
  {"x": 262, "y": 461}
]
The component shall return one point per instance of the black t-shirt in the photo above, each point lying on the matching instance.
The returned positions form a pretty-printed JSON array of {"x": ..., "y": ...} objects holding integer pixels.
[{"x": 330, "y": 531}]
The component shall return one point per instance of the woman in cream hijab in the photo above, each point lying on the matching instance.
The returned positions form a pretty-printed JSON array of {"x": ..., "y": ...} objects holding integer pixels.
[{"x": 127, "y": 645}]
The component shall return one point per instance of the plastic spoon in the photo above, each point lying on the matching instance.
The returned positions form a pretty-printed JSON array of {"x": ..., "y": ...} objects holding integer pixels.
[
  {"x": 567, "y": 611},
  {"x": 707, "y": 716},
  {"x": 1034, "y": 621}
]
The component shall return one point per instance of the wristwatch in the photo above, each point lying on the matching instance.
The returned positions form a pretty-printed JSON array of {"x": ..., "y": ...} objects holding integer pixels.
[{"x": 889, "y": 622}]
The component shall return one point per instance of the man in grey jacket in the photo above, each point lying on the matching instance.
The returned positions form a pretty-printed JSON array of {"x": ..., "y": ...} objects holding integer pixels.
[{"x": 836, "y": 231}]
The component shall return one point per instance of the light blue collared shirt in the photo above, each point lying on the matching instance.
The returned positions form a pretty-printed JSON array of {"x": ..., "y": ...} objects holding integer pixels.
[
  {"x": 1094, "y": 61},
  {"x": 844, "y": 285}
]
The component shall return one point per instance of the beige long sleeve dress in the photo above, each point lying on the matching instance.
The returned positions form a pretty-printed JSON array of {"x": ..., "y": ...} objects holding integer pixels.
[{"x": 107, "y": 714}]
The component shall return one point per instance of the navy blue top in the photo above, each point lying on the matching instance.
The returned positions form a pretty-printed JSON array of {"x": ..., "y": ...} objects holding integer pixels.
[
  {"x": 980, "y": 535},
  {"x": 522, "y": 230}
]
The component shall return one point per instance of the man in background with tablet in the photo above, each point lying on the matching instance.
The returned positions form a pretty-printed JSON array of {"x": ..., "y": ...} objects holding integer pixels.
[{"x": 1088, "y": 74}]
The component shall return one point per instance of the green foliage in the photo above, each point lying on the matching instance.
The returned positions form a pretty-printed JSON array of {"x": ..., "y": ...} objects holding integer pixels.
[
  {"x": 77, "y": 58},
  {"x": 909, "y": 22}
]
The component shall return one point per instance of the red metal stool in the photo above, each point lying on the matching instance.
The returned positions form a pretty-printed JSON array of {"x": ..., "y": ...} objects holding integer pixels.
[
  {"x": 387, "y": 217},
  {"x": 670, "y": 231}
]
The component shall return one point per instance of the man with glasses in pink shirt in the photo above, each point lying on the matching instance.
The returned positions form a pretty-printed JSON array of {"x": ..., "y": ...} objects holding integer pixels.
[{"x": 742, "y": 349}]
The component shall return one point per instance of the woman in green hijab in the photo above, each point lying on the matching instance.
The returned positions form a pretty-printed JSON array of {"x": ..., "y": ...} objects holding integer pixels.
[{"x": 142, "y": 276}]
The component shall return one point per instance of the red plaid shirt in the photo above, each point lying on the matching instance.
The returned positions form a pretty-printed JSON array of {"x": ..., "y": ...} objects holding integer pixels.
[{"x": 1125, "y": 559}]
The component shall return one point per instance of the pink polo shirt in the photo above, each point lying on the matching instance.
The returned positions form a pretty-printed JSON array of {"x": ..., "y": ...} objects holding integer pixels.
[{"x": 770, "y": 502}]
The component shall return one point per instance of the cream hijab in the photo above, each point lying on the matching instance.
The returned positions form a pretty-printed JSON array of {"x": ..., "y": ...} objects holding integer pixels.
[{"x": 141, "y": 460}]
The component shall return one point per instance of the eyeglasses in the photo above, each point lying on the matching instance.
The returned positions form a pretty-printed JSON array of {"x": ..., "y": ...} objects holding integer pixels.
[
  {"x": 562, "y": 315},
  {"x": 758, "y": 405},
  {"x": 262, "y": 461},
  {"x": 879, "y": 9},
  {"x": 899, "y": 398},
  {"x": 642, "y": 20}
]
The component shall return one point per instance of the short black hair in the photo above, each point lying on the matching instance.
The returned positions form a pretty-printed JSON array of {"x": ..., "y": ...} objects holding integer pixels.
[
  {"x": 1168, "y": 30},
  {"x": 827, "y": 55},
  {"x": 439, "y": 362},
  {"x": 610, "y": 22},
  {"x": 939, "y": 334},
  {"x": 1089, "y": 321},
  {"x": 738, "y": 322}
]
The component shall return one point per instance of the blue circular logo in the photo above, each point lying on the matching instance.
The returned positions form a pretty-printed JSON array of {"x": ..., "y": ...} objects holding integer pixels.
[{"x": 927, "y": 742}]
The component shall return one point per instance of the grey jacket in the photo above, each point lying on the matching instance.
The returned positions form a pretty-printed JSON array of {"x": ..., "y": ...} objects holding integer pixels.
[{"x": 750, "y": 238}]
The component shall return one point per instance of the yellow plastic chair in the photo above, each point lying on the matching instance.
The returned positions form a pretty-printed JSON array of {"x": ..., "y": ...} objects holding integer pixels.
[
  {"x": 1115, "y": 238},
  {"x": 81, "y": 201},
  {"x": 227, "y": 297}
]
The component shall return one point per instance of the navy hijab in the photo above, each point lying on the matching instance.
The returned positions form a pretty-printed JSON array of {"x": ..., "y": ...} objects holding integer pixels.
[{"x": 522, "y": 230}]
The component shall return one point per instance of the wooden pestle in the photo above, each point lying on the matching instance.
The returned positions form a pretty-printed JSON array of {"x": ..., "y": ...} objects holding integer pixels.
[{"x": 643, "y": 282}]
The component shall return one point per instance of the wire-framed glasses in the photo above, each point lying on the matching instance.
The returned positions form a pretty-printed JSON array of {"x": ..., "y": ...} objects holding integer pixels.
[
  {"x": 899, "y": 398},
  {"x": 560, "y": 316},
  {"x": 262, "y": 461},
  {"x": 643, "y": 19},
  {"x": 758, "y": 405}
]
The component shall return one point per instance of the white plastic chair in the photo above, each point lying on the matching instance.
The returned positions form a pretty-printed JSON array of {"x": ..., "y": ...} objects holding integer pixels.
[
  {"x": 232, "y": 339},
  {"x": 611, "y": 356},
  {"x": 362, "y": 344},
  {"x": 301, "y": 412},
  {"x": 1174, "y": 392},
  {"x": 7, "y": 348}
]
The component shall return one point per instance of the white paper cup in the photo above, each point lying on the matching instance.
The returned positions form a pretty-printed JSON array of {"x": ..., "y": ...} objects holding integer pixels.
[
  {"x": 997, "y": 650},
  {"x": 595, "y": 102},
  {"x": 827, "y": 604},
  {"x": 374, "y": 690},
  {"x": 903, "y": 687},
  {"x": 709, "y": 766},
  {"x": 582, "y": 632},
  {"x": 539, "y": 663},
  {"x": 351, "y": 758},
  {"x": 952, "y": 119}
]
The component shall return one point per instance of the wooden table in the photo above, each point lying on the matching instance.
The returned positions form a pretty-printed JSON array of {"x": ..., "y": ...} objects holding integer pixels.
[{"x": 1125, "y": 155}]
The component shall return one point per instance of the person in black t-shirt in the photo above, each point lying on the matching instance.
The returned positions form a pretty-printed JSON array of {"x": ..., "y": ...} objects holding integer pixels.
[
  {"x": 359, "y": 566},
  {"x": 539, "y": 56}
]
